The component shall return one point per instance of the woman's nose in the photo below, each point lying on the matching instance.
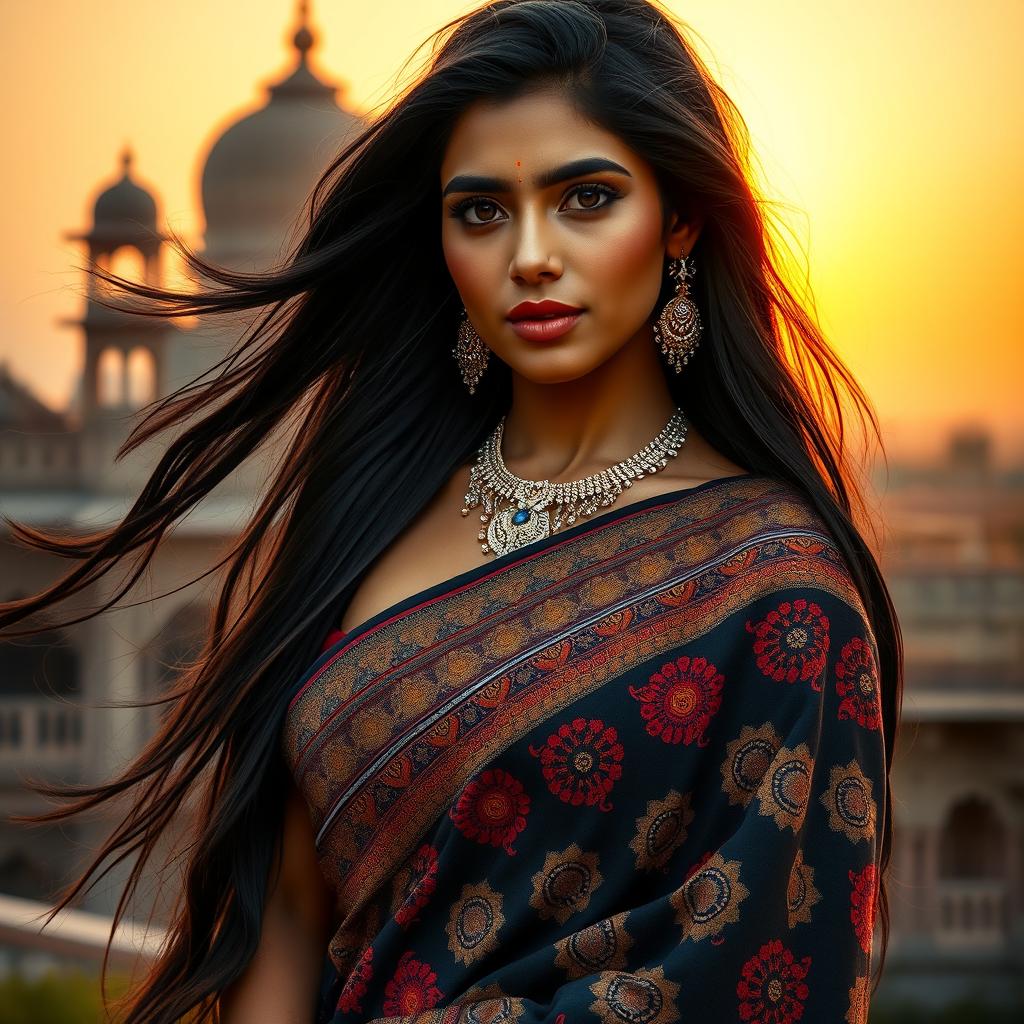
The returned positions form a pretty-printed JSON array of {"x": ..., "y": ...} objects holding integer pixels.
[{"x": 535, "y": 255}]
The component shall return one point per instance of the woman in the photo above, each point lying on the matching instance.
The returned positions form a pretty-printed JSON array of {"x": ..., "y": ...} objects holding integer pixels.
[{"x": 487, "y": 744}]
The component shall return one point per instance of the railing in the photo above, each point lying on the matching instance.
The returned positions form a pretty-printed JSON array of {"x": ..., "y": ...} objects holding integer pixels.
[
  {"x": 39, "y": 736},
  {"x": 972, "y": 914},
  {"x": 77, "y": 935}
]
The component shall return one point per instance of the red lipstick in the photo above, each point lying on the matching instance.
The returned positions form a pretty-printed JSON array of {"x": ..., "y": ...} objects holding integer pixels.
[{"x": 543, "y": 320}]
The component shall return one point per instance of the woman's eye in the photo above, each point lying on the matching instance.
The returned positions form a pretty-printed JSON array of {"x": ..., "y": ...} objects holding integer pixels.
[
  {"x": 590, "y": 196},
  {"x": 488, "y": 206},
  {"x": 486, "y": 210}
]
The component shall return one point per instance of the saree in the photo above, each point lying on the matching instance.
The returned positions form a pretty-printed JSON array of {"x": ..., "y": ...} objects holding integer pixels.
[{"x": 629, "y": 772}]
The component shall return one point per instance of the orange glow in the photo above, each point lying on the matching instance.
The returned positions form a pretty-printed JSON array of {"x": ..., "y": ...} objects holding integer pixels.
[{"x": 886, "y": 130}]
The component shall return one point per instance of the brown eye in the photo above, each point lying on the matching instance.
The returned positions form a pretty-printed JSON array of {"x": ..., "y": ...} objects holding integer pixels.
[
  {"x": 593, "y": 197},
  {"x": 476, "y": 203}
]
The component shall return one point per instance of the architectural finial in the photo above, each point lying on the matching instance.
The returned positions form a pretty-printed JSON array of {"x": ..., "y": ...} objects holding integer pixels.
[
  {"x": 126, "y": 159},
  {"x": 303, "y": 38}
]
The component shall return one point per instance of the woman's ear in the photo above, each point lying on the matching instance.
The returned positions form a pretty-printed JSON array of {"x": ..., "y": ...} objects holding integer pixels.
[{"x": 681, "y": 235}]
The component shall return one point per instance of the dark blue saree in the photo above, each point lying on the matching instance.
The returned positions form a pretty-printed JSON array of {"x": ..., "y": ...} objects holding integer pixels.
[{"x": 631, "y": 772}]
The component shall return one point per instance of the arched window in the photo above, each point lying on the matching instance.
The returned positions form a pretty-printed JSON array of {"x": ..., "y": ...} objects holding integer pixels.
[
  {"x": 973, "y": 842},
  {"x": 141, "y": 377},
  {"x": 110, "y": 378},
  {"x": 127, "y": 261}
]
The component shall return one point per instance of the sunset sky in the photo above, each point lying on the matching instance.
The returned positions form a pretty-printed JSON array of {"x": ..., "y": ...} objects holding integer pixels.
[{"x": 891, "y": 131}]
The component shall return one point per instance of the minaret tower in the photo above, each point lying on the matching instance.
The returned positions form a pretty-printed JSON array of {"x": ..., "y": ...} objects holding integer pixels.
[{"x": 124, "y": 364}]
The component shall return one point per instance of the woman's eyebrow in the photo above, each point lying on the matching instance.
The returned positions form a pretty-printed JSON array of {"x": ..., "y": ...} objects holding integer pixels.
[{"x": 585, "y": 165}]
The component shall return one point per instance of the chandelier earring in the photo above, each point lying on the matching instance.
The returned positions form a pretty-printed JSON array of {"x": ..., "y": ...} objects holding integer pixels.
[
  {"x": 471, "y": 353},
  {"x": 677, "y": 328}
]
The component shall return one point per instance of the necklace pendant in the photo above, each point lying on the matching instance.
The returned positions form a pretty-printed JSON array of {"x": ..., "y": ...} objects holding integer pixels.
[{"x": 515, "y": 526}]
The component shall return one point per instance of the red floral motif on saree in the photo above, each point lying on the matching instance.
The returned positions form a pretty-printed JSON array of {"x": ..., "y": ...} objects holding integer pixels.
[
  {"x": 772, "y": 989},
  {"x": 492, "y": 809},
  {"x": 680, "y": 700},
  {"x": 355, "y": 985},
  {"x": 411, "y": 989},
  {"x": 414, "y": 886},
  {"x": 857, "y": 684},
  {"x": 792, "y": 642},
  {"x": 862, "y": 905},
  {"x": 581, "y": 761}
]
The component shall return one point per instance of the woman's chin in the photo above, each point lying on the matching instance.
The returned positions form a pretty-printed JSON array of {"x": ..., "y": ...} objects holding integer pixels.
[
  {"x": 555, "y": 364},
  {"x": 552, "y": 367}
]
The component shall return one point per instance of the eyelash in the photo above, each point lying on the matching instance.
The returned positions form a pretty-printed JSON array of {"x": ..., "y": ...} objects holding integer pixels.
[{"x": 591, "y": 186}]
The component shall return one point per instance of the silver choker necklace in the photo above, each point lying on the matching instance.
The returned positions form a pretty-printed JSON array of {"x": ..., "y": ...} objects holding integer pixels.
[{"x": 527, "y": 517}]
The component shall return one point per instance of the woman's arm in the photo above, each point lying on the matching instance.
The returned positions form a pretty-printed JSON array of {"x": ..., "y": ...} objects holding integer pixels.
[{"x": 281, "y": 983}]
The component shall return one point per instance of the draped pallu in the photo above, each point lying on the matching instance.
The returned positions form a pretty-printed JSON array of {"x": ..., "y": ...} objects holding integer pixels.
[{"x": 631, "y": 772}]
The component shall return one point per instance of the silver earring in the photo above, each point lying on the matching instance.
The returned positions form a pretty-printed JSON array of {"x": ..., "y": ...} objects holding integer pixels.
[
  {"x": 471, "y": 353},
  {"x": 678, "y": 329}
]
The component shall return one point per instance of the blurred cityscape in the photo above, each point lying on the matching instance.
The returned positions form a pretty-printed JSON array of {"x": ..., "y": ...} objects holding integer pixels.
[{"x": 952, "y": 551}]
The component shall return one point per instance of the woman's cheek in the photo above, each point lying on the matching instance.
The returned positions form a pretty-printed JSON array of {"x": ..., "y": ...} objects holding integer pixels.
[
  {"x": 626, "y": 276},
  {"x": 460, "y": 267}
]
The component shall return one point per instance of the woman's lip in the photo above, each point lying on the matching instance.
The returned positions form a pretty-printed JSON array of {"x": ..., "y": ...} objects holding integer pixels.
[
  {"x": 543, "y": 310},
  {"x": 544, "y": 330}
]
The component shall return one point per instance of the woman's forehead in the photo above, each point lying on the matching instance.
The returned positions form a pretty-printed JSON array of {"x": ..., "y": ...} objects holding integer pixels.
[{"x": 525, "y": 136}]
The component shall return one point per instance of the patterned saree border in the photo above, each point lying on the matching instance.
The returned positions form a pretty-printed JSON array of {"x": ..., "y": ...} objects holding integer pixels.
[
  {"x": 474, "y": 577},
  {"x": 466, "y": 632},
  {"x": 747, "y": 487},
  {"x": 382, "y": 823},
  {"x": 388, "y": 708},
  {"x": 416, "y": 632}
]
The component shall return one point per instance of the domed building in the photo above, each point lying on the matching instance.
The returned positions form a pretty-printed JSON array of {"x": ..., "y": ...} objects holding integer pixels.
[
  {"x": 59, "y": 469},
  {"x": 259, "y": 171},
  {"x": 124, "y": 213}
]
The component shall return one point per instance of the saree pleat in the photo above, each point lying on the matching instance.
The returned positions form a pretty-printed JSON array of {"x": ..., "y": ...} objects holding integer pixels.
[{"x": 630, "y": 772}]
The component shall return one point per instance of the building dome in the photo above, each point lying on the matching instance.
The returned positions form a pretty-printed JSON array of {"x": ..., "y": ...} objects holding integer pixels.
[
  {"x": 124, "y": 213},
  {"x": 125, "y": 201},
  {"x": 259, "y": 172}
]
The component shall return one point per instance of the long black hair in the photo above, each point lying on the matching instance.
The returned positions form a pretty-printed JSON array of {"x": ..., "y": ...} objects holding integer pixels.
[{"x": 349, "y": 356}]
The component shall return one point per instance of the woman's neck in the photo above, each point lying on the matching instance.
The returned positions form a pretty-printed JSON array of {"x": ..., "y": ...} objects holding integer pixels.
[{"x": 567, "y": 430}]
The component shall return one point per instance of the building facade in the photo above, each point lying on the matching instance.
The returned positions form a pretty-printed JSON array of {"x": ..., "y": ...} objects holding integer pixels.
[
  {"x": 953, "y": 560},
  {"x": 59, "y": 470}
]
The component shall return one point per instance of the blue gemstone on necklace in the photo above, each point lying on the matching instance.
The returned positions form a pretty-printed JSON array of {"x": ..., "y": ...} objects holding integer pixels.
[{"x": 521, "y": 516}]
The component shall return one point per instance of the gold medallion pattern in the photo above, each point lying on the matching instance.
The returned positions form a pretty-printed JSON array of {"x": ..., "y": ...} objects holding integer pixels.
[
  {"x": 601, "y": 946},
  {"x": 640, "y": 997},
  {"x": 801, "y": 895},
  {"x": 747, "y": 760},
  {"x": 564, "y": 885},
  {"x": 851, "y": 808},
  {"x": 710, "y": 898},
  {"x": 474, "y": 922},
  {"x": 661, "y": 830},
  {"x": 786, "y": 786}
]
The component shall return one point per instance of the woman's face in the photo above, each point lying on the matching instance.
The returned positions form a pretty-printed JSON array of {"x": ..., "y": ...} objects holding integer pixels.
[{"x": 592, "y": 239}]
